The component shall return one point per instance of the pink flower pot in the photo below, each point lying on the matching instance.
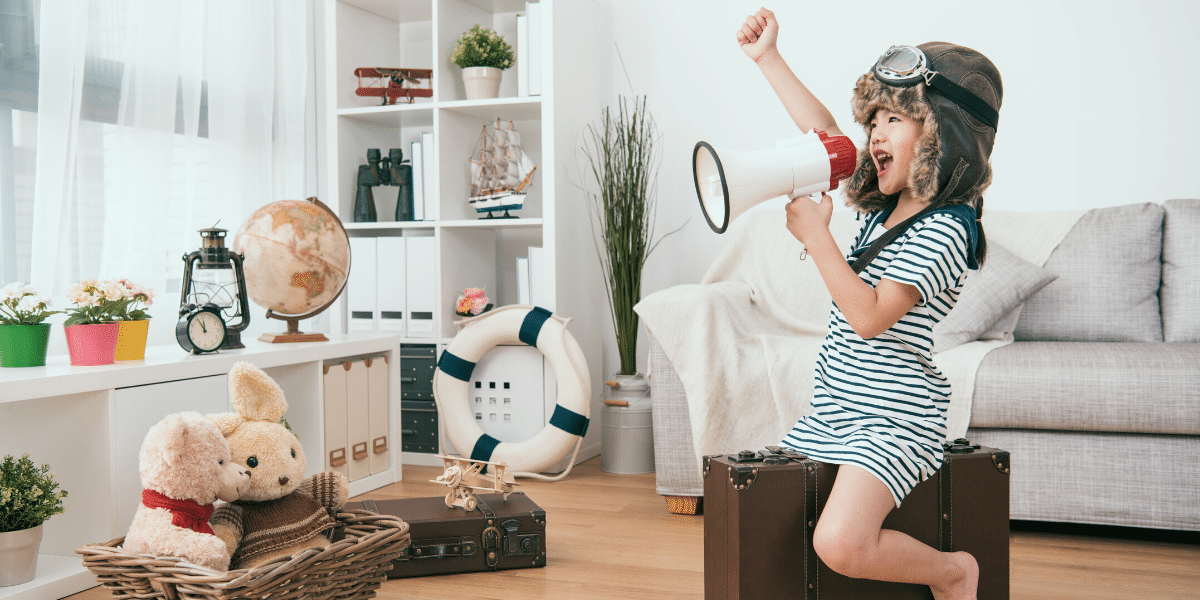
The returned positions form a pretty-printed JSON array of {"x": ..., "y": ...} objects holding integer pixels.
[{"x": 92, "y": 345}]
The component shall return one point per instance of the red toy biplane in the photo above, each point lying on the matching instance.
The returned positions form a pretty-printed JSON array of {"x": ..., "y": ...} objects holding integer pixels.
[{"x": 393, "y": 84}]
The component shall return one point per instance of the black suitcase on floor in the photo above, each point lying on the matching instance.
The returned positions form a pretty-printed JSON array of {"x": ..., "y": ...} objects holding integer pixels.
[
  {"x": 498, "y": 534},
  {"x": 760, "y": 509}
]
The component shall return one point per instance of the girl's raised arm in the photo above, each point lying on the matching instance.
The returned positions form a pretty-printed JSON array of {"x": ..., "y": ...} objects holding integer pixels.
[{"x": 757, "y": 38}]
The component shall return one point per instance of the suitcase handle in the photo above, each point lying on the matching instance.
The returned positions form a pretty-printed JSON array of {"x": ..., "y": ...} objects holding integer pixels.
[{"x": 439, "y": 548}]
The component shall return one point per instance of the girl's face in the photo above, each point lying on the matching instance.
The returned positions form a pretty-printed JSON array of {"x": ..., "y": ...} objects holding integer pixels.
[{"x": 893, "y": 140}]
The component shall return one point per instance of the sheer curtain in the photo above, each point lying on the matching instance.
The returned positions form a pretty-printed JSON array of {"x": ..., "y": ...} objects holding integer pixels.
[{"x": 156, "y": 119}]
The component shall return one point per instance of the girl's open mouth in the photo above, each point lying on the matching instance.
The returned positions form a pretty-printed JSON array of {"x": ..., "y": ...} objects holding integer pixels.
[{"x": 883, "y": 162}]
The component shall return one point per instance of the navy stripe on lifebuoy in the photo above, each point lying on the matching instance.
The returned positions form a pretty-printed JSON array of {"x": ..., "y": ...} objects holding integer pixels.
[
  {"x": 484, "y": 447},
  {"x": 456, "y": 367},
  {"x": 569, "y": 421},
  {"x": 532, "y": 325}
]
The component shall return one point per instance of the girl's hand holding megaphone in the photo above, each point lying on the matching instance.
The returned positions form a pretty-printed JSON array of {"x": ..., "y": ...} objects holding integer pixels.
[{"x": 809, "y": 221}]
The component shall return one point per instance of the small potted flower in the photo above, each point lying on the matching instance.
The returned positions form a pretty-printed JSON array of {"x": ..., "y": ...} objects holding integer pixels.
[
  {"x": 134, "y": 321},
  {"x": 91, "y": 324},
  {"x": 23, "y": 334},
  {"x": 472, "y": 303},
  {"x": 483, "y": 55},
  {"x": 28, "y": 497}
]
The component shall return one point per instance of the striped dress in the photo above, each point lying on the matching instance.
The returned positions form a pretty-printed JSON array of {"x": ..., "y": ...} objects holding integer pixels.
[{"x": 880, "y": 404}]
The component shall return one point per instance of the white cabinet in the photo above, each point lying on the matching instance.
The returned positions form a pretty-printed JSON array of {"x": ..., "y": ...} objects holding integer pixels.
[
  {"x": 576, "y": 58},
  {"x": 88, "y": 424}
]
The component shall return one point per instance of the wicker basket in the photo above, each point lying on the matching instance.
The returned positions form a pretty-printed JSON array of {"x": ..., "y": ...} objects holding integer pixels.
[{"x": 349, "y": 569}]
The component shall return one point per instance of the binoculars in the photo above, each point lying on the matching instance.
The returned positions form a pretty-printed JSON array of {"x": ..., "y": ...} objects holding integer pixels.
[{"x": 393, "y": 170}]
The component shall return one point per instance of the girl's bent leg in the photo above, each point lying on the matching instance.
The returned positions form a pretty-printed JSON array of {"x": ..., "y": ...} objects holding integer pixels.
[{"x": 850, "y": 539}]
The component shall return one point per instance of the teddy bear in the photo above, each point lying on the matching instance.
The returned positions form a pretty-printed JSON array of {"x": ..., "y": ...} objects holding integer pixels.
[
  {"x": 282, "y": 512},
  {"x": 185, "y": 467}
]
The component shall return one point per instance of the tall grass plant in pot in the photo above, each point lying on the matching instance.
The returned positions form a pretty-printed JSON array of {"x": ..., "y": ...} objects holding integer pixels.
[
  {"x": 28, "y": 497},
  {"x": 621, "y": 153}
]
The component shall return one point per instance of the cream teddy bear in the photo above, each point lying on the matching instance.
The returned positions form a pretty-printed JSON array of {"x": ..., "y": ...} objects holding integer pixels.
[
  {"x": 283, "y": 512},
  {"x": 185, "y": 466}
]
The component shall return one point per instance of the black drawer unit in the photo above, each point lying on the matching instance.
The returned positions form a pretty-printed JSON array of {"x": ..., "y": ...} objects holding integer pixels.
[{"x": 418, "y": 410}]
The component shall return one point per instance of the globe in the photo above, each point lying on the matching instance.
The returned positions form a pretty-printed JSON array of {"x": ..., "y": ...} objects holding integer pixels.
[{"x": 297, "y": 256}]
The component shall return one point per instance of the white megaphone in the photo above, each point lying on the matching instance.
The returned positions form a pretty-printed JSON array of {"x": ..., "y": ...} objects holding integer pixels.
[{"x": 729, "y": 182}]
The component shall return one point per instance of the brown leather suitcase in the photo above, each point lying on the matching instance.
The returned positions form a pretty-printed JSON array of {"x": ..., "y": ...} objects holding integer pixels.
[
  {"x": 760, "y": 509},
  {"x": 498, "y": 534}
]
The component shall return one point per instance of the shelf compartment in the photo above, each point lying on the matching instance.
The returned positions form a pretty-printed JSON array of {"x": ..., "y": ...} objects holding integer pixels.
[
  {"x": 460, "y": 129},
  {"x": 381, "y": 33}
]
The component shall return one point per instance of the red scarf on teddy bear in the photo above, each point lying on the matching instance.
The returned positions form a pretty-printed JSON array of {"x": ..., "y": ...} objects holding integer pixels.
[{"x": 187, "y": 514}]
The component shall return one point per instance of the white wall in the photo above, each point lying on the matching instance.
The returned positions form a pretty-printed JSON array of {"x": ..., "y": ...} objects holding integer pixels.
[{"x": 1072, "y": 133}]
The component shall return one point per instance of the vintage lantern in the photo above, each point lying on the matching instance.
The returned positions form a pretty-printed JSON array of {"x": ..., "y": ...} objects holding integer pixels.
[{"x": 213, "y": 282}]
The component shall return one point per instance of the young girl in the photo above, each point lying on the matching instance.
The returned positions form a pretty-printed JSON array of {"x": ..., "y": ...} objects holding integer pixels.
[{"x": 879, "y": 401}]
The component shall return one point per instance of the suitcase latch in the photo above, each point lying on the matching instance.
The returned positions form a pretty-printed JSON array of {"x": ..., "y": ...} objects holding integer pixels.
[{"x": 519, "y": 544}]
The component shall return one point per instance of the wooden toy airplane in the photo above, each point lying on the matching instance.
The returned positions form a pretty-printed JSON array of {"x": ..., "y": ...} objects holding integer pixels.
[
  {"x": 463, "y": 476},
  {"x": 393, "y": 84}
]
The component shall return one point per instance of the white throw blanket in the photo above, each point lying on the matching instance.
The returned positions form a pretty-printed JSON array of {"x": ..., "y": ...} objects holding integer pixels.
[{"x": 745, "y": 340}]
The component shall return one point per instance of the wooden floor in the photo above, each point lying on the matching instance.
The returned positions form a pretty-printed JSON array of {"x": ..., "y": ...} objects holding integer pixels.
[{"x": 610, "y": 536}]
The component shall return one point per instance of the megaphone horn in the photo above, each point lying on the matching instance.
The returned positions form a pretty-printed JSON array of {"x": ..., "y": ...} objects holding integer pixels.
[{"x": 730, "y": 182}]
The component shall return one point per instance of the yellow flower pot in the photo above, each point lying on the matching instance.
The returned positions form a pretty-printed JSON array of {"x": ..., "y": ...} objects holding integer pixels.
[{"x": 131, "y": 340}]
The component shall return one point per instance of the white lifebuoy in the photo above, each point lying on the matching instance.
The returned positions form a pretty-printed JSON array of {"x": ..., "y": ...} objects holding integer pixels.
[{"x": 507, "y": 325}]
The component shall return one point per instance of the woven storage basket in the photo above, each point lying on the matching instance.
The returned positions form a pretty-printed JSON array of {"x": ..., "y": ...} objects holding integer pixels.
[{"x": 349, "y": 569}]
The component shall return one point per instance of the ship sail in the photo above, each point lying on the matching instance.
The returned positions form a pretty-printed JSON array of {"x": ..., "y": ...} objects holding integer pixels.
[{"x": 500, "y": 171}]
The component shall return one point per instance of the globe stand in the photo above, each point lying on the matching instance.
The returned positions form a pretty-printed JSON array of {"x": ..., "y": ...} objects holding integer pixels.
[{"x": 293, "y": 333}]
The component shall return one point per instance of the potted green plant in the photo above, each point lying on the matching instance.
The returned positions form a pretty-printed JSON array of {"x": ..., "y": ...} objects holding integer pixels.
[
  {"x": 133, "y": 321},
  {"x": 620, "y": 150},
  {"x": 24, "y": 335},
  {"x": 483, "y": 55},
  {"x": 91, "y": 326},
  {"x": 28, "y": 496}
]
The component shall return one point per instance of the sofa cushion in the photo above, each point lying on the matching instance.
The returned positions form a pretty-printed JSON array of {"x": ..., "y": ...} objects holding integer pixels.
[
  {"x": 1090, "y": 386},
  {"x": 1180, "y": 293},
  {"x": 996, "y": 290},
  {"x": 1109, "y": 272}
]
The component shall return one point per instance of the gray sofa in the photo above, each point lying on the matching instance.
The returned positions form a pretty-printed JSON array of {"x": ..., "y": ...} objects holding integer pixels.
[{"x": 1098, "y": 397}]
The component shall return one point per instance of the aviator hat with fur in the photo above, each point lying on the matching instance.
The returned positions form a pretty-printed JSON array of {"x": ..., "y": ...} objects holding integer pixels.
[{"x": 950, "y": 163}]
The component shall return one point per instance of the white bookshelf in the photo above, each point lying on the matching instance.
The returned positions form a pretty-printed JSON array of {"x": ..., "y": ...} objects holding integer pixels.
[
  {"x": 84, "y": 421},
  {"x": 470, "y": 252}
]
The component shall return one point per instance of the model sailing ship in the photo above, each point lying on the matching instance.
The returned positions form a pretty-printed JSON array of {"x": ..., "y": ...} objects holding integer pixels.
[{"x": 500, "y": 172}]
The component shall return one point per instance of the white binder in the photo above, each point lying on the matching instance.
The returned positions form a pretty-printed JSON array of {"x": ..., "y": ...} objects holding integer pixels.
[
  {"x": 522, "y": 55},
  {"x": 427, "y": 165},
  {"x": 390, "y": 275},
  {"x": 421, "y": 281},
  {"x": 417, "y": 157},
  {"x": 534, "y": 10},
  {"x": 360, "y": 286}
]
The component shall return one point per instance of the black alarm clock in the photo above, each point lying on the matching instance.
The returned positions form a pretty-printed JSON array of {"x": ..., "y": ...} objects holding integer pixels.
[{"x": 200, "y": 328}]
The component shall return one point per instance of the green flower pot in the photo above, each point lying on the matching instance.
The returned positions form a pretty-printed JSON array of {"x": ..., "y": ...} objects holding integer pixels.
[{"x": 24, "y": 345}]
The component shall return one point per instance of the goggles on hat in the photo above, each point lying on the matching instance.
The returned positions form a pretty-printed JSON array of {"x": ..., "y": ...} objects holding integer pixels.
[{"x": 904, "y": 66}]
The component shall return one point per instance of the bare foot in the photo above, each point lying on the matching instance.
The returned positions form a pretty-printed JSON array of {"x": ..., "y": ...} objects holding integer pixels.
[{"x": 966, "y": 585}]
